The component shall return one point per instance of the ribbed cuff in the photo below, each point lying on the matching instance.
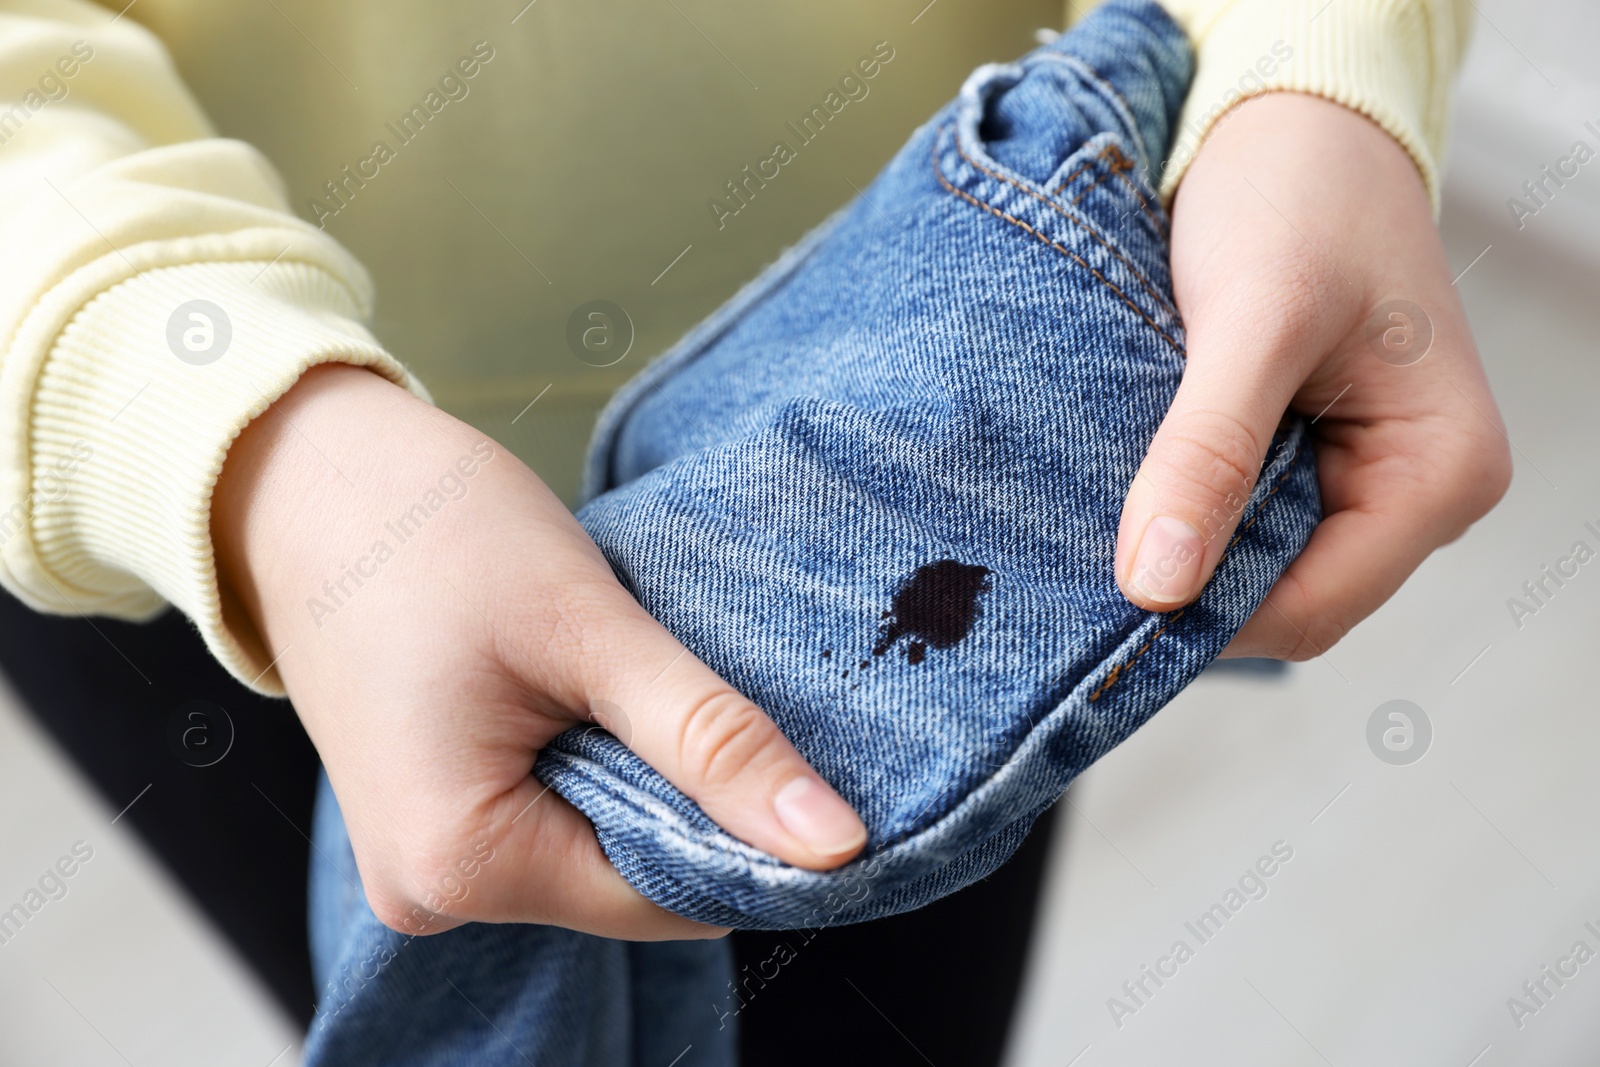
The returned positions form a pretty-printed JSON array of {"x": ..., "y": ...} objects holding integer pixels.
[
  {"x": 133, "y": 414},
  {"x": 1391, "y": 61}
]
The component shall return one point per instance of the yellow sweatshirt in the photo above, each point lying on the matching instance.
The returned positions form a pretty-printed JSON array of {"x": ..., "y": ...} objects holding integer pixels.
[{"x": 161, "y": 287}]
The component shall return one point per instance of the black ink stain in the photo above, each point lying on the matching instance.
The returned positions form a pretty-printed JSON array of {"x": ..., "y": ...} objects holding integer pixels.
[
  {"x": 936, "y": 607},
  {"x": 827, "y": 652},
  {"x": 864, "y": 664}
]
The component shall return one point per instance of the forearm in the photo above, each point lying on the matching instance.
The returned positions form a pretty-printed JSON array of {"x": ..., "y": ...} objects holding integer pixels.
[{"x": 168, "y": 296}]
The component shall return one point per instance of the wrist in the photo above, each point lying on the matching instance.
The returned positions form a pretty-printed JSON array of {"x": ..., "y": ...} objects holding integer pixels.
[
  {"x": 284, "y": 478},
  {"x": 1391, "y": 63}
]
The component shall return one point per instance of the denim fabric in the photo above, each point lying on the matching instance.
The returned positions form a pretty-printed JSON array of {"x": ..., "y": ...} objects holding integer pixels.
[
  {"x": 878, "y": 492},
  {"x": 487, "y": 995}
]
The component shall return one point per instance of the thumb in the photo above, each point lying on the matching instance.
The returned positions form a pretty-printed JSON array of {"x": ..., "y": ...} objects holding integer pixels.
[
  {"x": 1185, "y": 502},
  {"x": 717, "y": 746}
]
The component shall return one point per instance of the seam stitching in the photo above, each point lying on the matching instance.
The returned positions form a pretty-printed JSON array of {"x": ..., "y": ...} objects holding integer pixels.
[
  {"x": 1127, "y": 108},
  {"x": 1058, "y": 190},
  {"x": 1087, "y": 189},
  {"x": 1144, "y": 203},
  {"x": 1106, "y": 84},
  {"x": 1058, "y": 247},
  {"x": 1120, "y": 670},
  {"x": 1160, "y": 301},
  {"x": 1121, "y": 164}
]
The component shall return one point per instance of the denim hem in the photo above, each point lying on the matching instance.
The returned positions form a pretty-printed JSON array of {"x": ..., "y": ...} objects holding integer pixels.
[
  {"x": 744, "y": 887},
  {"x": 961, "y": 369}
]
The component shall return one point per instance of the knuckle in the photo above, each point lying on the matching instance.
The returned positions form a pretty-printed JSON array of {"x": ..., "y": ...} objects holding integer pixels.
[
  {"x": 1473, "y": 478},
  {"x": 559, "y": 643},
  {"x": 560, "y": 629},
  {"x": 1282, "y": 641},
  {"x": 1303, "y": 629},
  {"x": 1316, "y": 636},
  {"x": 723, "y": 735},
  {"x": 397, "y": 913},
  {"x": 419, "y": 889},
  {"x": 1209, "y": 456},
  {"x": 1491, "y": 476}
]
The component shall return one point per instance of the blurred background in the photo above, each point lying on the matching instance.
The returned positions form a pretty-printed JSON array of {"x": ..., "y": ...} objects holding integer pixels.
[
  {"x": 632, "y": 116},
  {"x": 1419, "y": 898}
]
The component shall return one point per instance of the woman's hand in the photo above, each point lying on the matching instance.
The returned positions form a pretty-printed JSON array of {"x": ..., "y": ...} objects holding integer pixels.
[
  {"x": 1310, "y": 276},
  {"x": 438, "y": 617}
]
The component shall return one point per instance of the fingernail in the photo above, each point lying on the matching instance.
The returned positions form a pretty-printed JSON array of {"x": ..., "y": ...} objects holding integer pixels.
[
  {"x": 1167, "y": 567},
  {"x": 817, "y": 816}
]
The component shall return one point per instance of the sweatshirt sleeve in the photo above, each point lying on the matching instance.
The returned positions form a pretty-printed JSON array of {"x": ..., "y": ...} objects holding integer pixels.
[
  {"x": 157, "y": 293},
  {"x": 1391, "y": 60}
]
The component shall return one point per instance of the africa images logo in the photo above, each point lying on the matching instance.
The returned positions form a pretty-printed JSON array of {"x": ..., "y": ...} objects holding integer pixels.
[
  {"x": 852, "y": 87},
  {"x": 452, "y": 87}
]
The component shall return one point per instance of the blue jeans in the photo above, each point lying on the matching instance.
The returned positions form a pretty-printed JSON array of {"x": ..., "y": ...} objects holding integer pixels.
[
  {"x": 878, "y": 492},
  {"x": 485, "y": 995}
]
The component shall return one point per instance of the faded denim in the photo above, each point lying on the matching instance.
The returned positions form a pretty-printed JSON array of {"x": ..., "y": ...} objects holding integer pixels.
[
  {"x": 485, "y": 995},
  {"x": 966, "y": 365},
  {"x": 878, "y": 492}
]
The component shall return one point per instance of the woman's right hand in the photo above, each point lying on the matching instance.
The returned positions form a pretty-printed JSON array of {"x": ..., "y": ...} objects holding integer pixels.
[
  {"x": 438, "y": 617},
  {"x": 1311, "y": 278}
]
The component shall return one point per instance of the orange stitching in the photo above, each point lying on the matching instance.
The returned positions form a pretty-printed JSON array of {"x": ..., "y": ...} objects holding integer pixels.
[
  {"x": 1118, "y": 160},
  {"x": 1122, "y": 163},
  {"x": 1058, "y": 190},
  {"x": 1151, "y": 215},
  {"x": 1117, "y": 672},
  {"x": 1087, "y": 189},
  {"x": 956, "y": 140},
  {"x": 1119, "y": 164},
  {"x": 1114, "y": 91},
  {"x": 1115, "y": 164},
  {"x": 1059, "y": 248},
  {"x": 1257, "y": 517}
]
